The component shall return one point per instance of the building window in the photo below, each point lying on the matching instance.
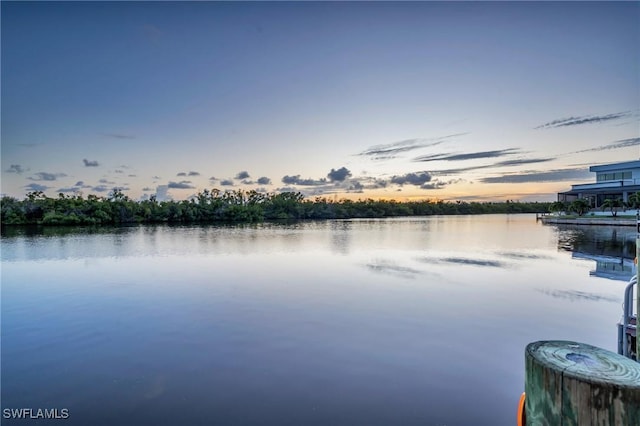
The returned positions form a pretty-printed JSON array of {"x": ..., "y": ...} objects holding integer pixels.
[{"x": 600, "y": 177}]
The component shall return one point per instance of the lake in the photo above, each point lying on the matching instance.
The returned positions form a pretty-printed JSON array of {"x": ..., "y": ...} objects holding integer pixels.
[{"x": 403, "y": 321}]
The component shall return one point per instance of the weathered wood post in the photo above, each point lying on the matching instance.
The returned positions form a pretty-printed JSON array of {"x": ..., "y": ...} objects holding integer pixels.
[{"x": 569, "y": 383}]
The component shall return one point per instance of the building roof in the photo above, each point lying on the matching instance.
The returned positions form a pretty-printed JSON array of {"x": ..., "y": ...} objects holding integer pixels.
[
  {"x": 607, "y": 190},
  {"x": 616, "y": 166}
]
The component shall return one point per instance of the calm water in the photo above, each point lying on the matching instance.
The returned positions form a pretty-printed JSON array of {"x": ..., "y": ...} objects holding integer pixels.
[{"x": 412, "y": 321}]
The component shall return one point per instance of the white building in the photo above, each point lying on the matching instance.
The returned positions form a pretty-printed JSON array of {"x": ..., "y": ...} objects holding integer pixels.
[{"x": 618, "y": 180}]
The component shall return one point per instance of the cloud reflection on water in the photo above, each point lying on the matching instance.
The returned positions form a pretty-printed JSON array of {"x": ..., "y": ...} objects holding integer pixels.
[
  {"x": 465, "y": 261},
  {"x": 578, "y": 296}
]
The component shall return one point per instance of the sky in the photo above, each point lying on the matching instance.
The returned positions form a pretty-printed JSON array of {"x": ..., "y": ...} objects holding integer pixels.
[{"x": 475, "y": 101}]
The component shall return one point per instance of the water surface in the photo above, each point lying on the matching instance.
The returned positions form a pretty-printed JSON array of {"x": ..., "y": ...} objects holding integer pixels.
[{"x": 343, "y": 322}]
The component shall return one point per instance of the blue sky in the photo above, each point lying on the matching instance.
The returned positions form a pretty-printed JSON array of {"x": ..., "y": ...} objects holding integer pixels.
[{"x": 473, "y": 101}]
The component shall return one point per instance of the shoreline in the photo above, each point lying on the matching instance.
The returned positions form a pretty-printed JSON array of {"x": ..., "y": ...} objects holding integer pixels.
[{"x": 589, "y": 221}]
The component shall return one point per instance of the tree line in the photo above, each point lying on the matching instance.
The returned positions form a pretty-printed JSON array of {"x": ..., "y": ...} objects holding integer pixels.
[{"x": 210, "y": 206}]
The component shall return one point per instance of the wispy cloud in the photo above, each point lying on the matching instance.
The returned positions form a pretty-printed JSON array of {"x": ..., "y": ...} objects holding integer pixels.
[
  {"x": 192, "y": 173},
  {"x": 624, "y": 143},
  {"x": 226, "y": 182},
  {"x": 15, "y": 168},
  {"x": 467, "y": 156},
  {"x": 46, "y": 176},
  {"x": 88, "y": 163},
  {"x": 585, "y": 119},
  {"x": 540, "y": 176},
  {"x": 506, "y": 163},
  {"x": 389, "y": 151},
  {"x": 185, "y": 184},
  {"x": 118, "y": 136}
]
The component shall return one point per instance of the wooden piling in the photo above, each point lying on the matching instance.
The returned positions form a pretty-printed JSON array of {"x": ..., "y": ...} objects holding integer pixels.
[{"x": 569, "y": 383}]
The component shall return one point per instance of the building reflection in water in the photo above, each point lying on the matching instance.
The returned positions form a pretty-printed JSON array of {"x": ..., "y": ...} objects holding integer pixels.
[{"x": 612, "y": 248}]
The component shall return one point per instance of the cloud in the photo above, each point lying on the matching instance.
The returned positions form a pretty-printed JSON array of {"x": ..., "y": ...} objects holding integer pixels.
[
  {"x": 264, "y": 181},
  {"x": 156, "y": 177},
  {"x": 15, "y": 168},
  {"x": 181, "y": 174},
  {"x": 287, "y": 189},
  {"x": 295, "y": 180},
  {"x": 226, "y": 182},
  {"x": 338, "y": 175},
  {"x": 37, "y": 187},
  {"x": 162, "y": 193},
  {"x": 247, "y": 182},
  {"x": 467, "y": 156},
  {"x": 389, "y": 151},
  {"x": 131, "y": 175},
  {"x": 119, "y": 171},
  {"x": 539, "y": 176},
  {"x": 79, "y": 183},
  {"x": 624, "y": 143},
  {"x": 88, "y": 163},
  {"x": 436, "y": 184},
  {"x": 585, "y": 119},
  {"x": 419, "y": 178},
  {"x": 106, "y": 181},
  {"x": 521, "y": 161},
  {"x": 71, "y": 189},
  {"x": 118, "y": 136},
  {"x": 242, "y": 175},
  {"x": 101, "y": 188},
  {"x": 192, "y": 173},
  {"x": 47, "y": 176},
  {"x": 185, "y": 184},
  {"x": 147, "y": 189},
  {"x": 506, "y": 163},
  {"x": 373, "y": 183},
  {"x": 356, "y": 187}
]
